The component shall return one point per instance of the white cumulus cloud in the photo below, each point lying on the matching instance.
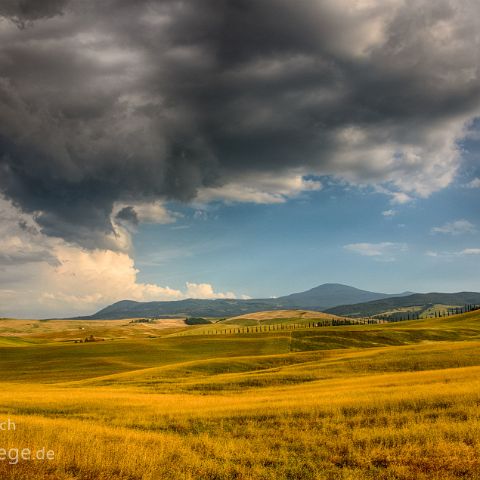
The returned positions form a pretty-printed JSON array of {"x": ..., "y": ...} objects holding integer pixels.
[
  {"x": 383, "y": 251},
  {"x": 458, "y": 227},
  {"x": 261, "y": 189},
  {"x": 41, "y": 276},
  {"x": 475, "y": 183},
  {"x": 205, "y": 290},
  {"x": 470, "y": 251},
  {"x": 389, "y": 213}
]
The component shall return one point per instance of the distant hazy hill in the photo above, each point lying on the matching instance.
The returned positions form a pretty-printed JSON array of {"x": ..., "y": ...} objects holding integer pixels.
[
  {"x": 330, "y": 295},
  {"x": 319, "y": 298},
  {"x": 418, "y": 299},
  {"x": 181, "y": 308}
]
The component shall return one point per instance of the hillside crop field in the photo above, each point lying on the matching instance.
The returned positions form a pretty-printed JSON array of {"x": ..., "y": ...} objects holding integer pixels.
[{"x": 395, "y": 401}]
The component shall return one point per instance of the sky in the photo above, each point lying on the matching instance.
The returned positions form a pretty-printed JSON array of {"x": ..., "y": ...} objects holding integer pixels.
[{"x": 160, "y": 150}]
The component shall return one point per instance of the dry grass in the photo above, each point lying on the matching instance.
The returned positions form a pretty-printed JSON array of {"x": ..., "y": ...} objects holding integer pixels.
[
  {"x": 41, "y": 331},
  {"x": 289, "y": 314},
  {"x": 406, "y": 412}
]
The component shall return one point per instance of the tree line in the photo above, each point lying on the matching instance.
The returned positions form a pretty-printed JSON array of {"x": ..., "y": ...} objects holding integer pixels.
[
  {"x": 333, "y": 322},
  {"x": 446, "y": 312}
]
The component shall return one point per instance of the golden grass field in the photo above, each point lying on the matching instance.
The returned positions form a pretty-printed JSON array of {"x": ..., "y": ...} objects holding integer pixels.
[
  {"x": 397, "y": 401},
  {"x": 272, "y": 315}
]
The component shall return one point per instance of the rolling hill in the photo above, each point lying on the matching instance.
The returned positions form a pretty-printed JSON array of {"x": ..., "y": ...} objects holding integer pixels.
[
  {"x": 278, "y": 314},
  {"x": 329, "y": 295},
  {"x": 395, "y": 401},
  {"x": 320, "y": 298},
  {"x": 423, "y": 300}
]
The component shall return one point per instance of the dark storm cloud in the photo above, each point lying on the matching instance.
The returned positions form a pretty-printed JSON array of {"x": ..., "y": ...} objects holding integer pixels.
[
  {"x": 128, "y": 215},
  {"x": 23, "y": 11},
  {"x": 120, "y": 101}
]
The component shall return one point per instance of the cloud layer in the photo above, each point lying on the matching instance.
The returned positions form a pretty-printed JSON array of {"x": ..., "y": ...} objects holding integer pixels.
[
  {"x": 383, "y": 251},
  {"x": 134, "y": 103},
  {"x": 458, "y": 227},
  {"x": 41, "y": 276}
]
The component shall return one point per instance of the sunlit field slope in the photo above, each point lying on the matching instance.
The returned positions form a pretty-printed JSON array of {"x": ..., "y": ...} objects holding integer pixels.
[
  {"x": 273, "y": 316},
  {"x": 396, "y": 401},
  {"x": 269, "y": 321}
]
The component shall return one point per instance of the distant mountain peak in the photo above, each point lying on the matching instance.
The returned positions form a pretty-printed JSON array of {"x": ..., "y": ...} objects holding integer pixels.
[{"x": 319, "y": 298}]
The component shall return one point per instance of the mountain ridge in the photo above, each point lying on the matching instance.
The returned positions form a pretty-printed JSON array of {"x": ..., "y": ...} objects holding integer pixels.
[
  {"x": 322, "y": 297},
  {"x": 380, "y": 306}
]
